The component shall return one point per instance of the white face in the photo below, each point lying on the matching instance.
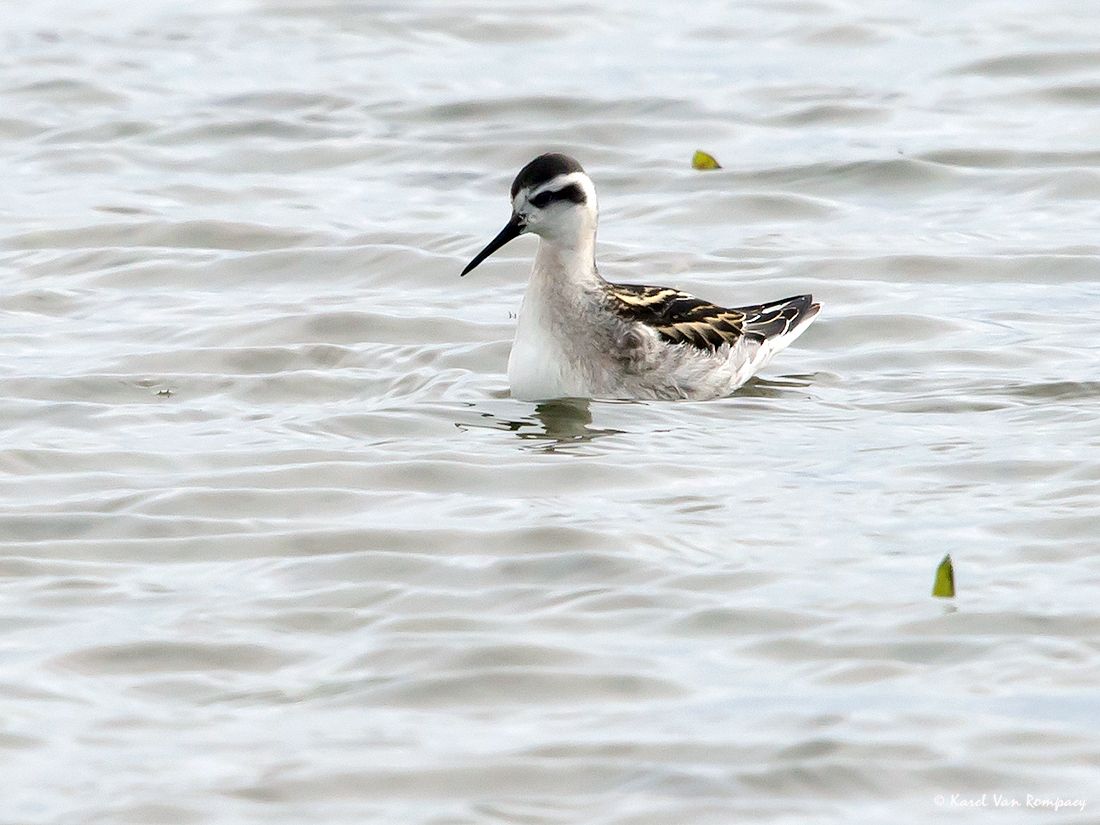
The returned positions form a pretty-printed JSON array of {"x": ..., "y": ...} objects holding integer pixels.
[{"x": 560, "y": 209}]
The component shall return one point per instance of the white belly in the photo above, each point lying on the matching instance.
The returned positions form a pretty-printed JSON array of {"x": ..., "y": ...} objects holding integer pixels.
[{"x": 535, "y": 366}]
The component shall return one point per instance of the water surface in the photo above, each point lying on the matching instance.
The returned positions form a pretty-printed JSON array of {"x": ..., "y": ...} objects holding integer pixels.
[{"x": 276, "y": 546}]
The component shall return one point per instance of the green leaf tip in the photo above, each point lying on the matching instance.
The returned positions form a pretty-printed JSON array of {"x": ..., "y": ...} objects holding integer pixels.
[
  {"x": 944, "y": 586},
  {"x": 701, "y": 160}
]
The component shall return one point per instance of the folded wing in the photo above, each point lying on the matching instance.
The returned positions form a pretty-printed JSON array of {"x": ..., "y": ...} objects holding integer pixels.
[{"x": 682, "y": 318}]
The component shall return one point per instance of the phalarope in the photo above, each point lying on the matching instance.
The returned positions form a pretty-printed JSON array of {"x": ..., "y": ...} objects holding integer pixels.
[{"x": 580, "y": 336}]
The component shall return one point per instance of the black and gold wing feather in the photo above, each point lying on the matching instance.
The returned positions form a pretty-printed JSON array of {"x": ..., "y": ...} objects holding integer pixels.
[{"x": 680, "y": 318}]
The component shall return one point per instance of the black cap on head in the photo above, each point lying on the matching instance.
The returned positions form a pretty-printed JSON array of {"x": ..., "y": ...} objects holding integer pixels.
[{"x": 542, "y": 169}]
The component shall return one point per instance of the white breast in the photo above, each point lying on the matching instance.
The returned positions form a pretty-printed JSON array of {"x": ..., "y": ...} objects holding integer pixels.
[{"x": 534, "y": 367}]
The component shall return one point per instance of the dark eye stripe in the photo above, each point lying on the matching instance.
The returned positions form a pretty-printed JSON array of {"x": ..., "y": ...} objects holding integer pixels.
[{"x": 572, "y": 192}]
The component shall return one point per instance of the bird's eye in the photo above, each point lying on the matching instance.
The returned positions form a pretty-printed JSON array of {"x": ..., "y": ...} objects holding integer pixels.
[{"x": 542, "y": 199}]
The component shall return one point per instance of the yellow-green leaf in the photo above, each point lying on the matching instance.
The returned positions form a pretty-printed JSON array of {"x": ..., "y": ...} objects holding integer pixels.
[
  {"x": 945, "y": 579},
  {"x": 701, "y": 160}
]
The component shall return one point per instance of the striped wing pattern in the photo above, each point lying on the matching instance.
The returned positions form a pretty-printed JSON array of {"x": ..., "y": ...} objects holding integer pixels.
[{"x": 682, "y": 318}]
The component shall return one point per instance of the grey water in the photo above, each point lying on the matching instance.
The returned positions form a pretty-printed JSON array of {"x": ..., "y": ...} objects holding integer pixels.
[{"x": 277, "y": 546}]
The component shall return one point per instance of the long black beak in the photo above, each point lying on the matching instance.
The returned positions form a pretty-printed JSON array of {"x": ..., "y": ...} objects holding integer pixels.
[{"x": 513, "y": 229}]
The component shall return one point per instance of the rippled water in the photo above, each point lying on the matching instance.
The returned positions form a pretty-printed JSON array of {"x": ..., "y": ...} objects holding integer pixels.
[{"x": 278, "y": 547}]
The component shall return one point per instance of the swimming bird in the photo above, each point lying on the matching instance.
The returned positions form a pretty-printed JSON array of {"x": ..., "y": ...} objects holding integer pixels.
[{"x": 581, "y": 336}]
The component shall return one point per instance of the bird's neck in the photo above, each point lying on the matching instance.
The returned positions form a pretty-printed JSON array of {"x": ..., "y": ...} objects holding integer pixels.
[
  {"x": 555, "y": 320},
  {"x": 567, "y": 265}
]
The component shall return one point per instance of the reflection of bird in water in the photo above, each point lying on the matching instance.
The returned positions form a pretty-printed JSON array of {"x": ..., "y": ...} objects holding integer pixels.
[{"x": 554, "y": 424}]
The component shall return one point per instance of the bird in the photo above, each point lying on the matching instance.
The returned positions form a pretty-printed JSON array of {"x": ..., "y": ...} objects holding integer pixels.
[{"x": 579, "y": 336}]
